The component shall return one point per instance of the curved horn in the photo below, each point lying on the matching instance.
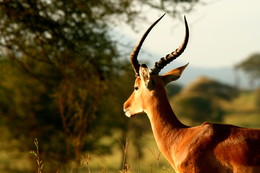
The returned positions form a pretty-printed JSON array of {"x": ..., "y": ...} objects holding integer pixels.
[
  {"x": 158, "y": 66},
  {"x": 135, "y": 51}
]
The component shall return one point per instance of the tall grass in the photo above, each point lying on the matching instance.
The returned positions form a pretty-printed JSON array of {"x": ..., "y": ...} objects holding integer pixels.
[
  {"x": 153, "y": 162},
  {"x": 125, "y": 147},
  {"x": 36, "y": 154},
  {"x": 242, "y": 112}
]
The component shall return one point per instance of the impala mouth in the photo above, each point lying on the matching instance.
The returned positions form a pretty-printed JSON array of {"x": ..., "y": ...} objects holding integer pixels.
[{"x": 127, "y": 113}]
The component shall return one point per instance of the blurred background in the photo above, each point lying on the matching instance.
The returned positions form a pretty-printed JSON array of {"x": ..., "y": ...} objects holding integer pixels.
[{"x": 65, "y": 74}]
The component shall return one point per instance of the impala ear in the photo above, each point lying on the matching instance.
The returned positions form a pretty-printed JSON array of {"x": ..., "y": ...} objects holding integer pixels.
[
  {"x": 145, "y": 76},
  {"x": 173, "y": 74}
]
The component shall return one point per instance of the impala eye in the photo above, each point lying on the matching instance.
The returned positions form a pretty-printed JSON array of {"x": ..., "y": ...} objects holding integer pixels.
[{"x": 136, "y": 88}]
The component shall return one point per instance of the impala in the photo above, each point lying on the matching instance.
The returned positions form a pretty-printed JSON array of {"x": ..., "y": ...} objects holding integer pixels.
[{"x": 205, "y": 148}]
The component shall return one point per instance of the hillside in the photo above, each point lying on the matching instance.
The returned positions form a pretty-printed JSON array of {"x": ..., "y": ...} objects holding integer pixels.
[{"x": 225, "y": 75}]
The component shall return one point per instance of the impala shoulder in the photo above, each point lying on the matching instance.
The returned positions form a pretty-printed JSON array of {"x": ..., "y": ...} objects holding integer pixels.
[
  {"x": 195, "y": 146},
  {"x": 198, "y": 137},
  {"x": 207, "y": 129}
]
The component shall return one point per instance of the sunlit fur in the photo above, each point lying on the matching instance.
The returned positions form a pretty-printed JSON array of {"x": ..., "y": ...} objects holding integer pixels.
[{"x": 207, "y": 148}]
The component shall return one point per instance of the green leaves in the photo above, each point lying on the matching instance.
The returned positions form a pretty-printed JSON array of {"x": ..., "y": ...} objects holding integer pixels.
[
  {"x": 60, "y": 76},
  {"x": 200, "y": 101},
  {"x": 251, "y": 67}
]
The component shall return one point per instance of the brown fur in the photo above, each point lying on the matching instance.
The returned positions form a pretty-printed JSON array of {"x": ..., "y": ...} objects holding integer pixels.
[{"x": 207, "y": 148}]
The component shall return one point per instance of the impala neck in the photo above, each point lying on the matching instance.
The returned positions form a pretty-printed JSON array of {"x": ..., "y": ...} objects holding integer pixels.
[
  {"x": 165, "y": 125},
  {"x": 161, "y": 114}
]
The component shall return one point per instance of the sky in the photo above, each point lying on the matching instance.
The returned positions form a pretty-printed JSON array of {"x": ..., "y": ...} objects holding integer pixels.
[{"x": 222, "y": 34}]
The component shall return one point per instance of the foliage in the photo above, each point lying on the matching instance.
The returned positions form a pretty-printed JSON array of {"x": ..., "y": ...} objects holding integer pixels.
[
  {"x": 199, "y": 101},
  {"x": 173, "y": 89},
  {"x": 251, "y": 67},
  {"x": 172, "y": 7},
  {"x": 241, "y": 114},
  {"x": 194, "y": 107},
  {"x": 61, "y": 78},
  {"x": 55, "y": 45},
  {"x": 211, "y": 88}
]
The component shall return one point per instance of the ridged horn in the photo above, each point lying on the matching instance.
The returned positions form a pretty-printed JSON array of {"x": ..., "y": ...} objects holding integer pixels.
[
  {"x": 135, "y": 51},
  {"x": 158, "y": 66}
]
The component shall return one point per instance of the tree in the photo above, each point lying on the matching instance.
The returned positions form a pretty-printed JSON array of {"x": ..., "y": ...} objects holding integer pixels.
[
  {"x": 211, "y": 88},
  {"x": 173, "y": 89},
  {"x": 61, "y": 60},
  {"x": 197, "y": 108},
  {"x": 199, "y": 101},
  {"x": 67, "y": 51},
  {"x": 251, "y": 67}
]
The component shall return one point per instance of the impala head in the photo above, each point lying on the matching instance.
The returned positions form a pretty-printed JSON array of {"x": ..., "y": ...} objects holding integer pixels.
[{"x": 148, "y": 83}]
